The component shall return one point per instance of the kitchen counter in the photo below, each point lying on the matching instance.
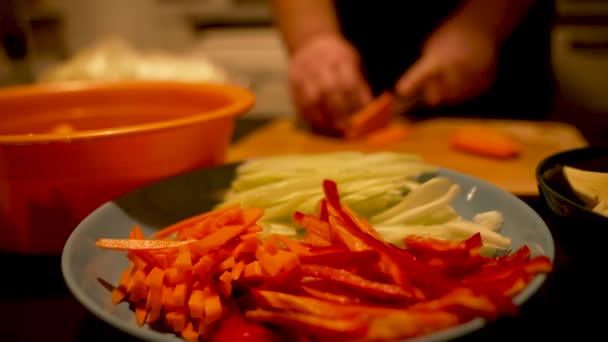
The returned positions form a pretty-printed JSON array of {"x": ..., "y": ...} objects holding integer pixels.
[{"x": 36, "y": 306}]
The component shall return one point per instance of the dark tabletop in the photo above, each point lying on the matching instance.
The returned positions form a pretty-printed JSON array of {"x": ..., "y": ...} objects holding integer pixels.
[{"x": 37, "y": 306}]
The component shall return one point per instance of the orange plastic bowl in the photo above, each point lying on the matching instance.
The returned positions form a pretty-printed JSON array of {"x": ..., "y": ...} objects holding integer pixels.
[{"x": 67, "y": 148}]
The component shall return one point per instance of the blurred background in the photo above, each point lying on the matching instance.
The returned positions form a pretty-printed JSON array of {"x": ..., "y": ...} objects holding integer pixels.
[{"x": 234, "y": 40}]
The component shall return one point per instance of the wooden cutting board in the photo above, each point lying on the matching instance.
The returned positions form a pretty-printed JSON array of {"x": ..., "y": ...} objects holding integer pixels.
[{"x": 429, "y": 139}]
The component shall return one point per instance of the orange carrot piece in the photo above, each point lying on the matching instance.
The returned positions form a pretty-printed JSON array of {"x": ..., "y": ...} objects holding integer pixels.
[
  {"x": 238, "y": 268},
  {"x": 292, "y": 245},
  {"x": 140, "y": 313},
  {"x": 140, "y": 245},
  {"x": 179, "y": 320},
  {"x": 155, "y": 278},
  {"x": 174, "y": 228},
  {"x": 119, "y": 293},
  {"x": 173, "y": 276},
  {"x": 183, "y": 263},
  {"x": 230, "y": 218},
  {"x": 189, "y": 333},
  {"x": 484, "y": 141},
  {"x": 251, "y": 236},
  {"x": 203, "y": 266},
  {"x": 282, "y": 261},
  {"x": 178, "y": 296},
  {"x": 137, "y": 286},
  {"x": 136, "y": 233},
  {"x": 254, "y": 229},
  {"x": 393, "y": 133},
  {"x": 315, "y": 240},
  {"x": 214, "y": 309},
  {"x": 254, "y": 270},
  {"x": 375, "y": 115},
  {"x": 154, "y": 304},
  {"x": 196, "y": 304},
  {"x": 270, "y": 245},
  {"x": 168, "y": 298},
  {"x": 225, "y": 284},
  {"x": 217, "y": 239},
  {"x": 224, "y": 265},
  {"x": 245, "y": 246}
]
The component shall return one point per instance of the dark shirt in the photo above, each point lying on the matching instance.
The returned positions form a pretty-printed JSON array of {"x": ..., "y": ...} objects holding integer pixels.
[{"x": 389, "y": 35}]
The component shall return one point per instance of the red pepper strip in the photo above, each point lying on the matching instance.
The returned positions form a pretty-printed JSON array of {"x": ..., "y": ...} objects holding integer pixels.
[
  {"x": 286, "y": 281},
  {"x": 500, "y": 267},
  {"x": 522, "y": 254},
  {"x": 468, "y": 305},
  {"x": 335, "y": 248},
  {"x": 509, "y": 280},
  {"x": 407, "y": 323},
  {"x": 343, "y": 259},
  {"x": 425, "y": 248},
  {"x": 313, "y": 225},
  {"x": 423, "y": 275},
  {"x": 370, "y": 288},
  {"x": 320, "y": 307},
  {"x": 323, "y": 212},
  {"x": 311, "y": 324},
  {"x": 328, "y": 296},
  {"x": 233, "y": 327}
]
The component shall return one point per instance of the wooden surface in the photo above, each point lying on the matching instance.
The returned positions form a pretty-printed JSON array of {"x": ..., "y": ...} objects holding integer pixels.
[{"x": 429, "y": 139}]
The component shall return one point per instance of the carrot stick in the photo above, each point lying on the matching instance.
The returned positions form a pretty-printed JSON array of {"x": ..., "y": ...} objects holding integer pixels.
[
  {"x": 391, "y": 134},
  {"x": 174, "y": 228},
  {"x": 484, "y": 141},
  {"x": 372, "y": 117},
  {"x": 139, "y": 245}
]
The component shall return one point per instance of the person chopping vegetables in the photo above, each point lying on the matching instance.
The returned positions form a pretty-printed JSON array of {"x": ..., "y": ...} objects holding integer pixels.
[{"x": 454, "y": 57}]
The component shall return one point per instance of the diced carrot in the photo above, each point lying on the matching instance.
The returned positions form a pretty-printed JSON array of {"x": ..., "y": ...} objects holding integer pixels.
[
  {"x": 280, "y": 262},
  {"x": 192, "y": 220},
  {"x": 270, "y": 245},
  {"x": 230, "y": 218},
  {"x": 224, "y": 265},
  {"x": 155, "y": 278},
  {"x": 204, "y": 266},
  {"x": 246, "y": 246},
  {"x": 254, "y": 270},
  {"x": 189, "y": 333},
  {"x": 154, "y": 304},
  {"x": 140, "y": 313},
  {"x": 485, "y": 141},
  {"x": 173, "y": 276},
  {"x": 137, "y": 286},
  {"x": 136, "y": 233},
  {"x": 179, "y": 320},
  {"x": 315, "y": 240},
  {"x": 183, "y": 263},
  {"x": 120, "y": 292},
  {"x": 196, "y": 304},
  {"x": 251, "y": 236},
  {"x": 213, "y": 307},
  {"x": 225, "y": 284},
  {"x": 293, "y": 245},
  {"x": 254, "y": 229},
  {"x": 237, "y": 269}
]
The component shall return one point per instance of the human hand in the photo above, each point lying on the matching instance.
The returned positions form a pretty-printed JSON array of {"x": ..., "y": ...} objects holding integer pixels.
[
  {"x": 326, "y": 82},
  {"x": 458, "y": 63}
]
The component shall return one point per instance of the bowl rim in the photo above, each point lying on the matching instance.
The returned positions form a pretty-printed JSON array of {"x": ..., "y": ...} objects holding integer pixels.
[
  {"x": 553, "y": 160},
  {"x": 241, "y": 101}
]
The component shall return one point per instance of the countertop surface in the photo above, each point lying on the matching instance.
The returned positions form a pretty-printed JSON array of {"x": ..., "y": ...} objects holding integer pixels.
[{"x": 36, "y": 305}]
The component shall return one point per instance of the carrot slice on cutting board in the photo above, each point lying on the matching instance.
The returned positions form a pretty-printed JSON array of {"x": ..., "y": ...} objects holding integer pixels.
[
  {"x": 484, "y": 141},
  {"x": 391, "y": 134},
  {"x": 373, "y": 116}
]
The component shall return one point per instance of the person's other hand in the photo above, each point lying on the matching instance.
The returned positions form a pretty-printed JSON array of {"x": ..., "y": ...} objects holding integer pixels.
[
  {"x": 457, "y": 64},
  {"x": 326, "y": 82}
]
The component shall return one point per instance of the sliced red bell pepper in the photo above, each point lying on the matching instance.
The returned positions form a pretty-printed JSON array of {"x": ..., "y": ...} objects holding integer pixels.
[
  {"x": 344, "y": 259},
  {"x": 343, "y": 329},
  {"x": 369, "y": 288}
]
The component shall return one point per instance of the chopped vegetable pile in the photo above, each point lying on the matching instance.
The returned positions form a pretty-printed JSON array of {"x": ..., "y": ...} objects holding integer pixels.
[
  {"x": 214, "y": 276},
  {"x": 398, "y": 193}
]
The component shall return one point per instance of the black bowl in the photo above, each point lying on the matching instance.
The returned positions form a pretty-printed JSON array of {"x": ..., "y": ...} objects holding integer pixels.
[{"x": 580, "y": 230}]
